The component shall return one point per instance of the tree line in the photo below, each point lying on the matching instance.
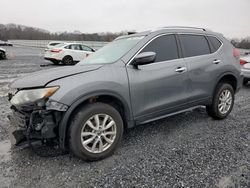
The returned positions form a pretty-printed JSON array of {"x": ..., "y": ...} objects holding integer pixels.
[
  {"x": 15, "y": 32},
  {"x": 242, "y": 43}
]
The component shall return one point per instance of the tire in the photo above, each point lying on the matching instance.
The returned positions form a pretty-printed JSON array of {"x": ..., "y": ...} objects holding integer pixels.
[
  {"x": 68, "y": 60},
  {"x": 2, "y": 55},
  {"x": 245, "y": 82},
  {"x": 213, "y": 109},
  {"x": 93, "y": 138}
]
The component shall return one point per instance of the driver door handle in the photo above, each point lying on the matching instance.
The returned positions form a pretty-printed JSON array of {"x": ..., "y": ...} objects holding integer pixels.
[
  {"x": 181, "y": 69},
  {"x": 216, "y": 61}
]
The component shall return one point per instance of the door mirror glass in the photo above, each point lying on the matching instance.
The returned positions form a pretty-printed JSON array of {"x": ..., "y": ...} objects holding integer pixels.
[{"x": 144, "y": 58}]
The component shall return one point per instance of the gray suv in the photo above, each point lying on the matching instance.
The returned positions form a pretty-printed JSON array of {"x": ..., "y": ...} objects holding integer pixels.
[{"x": 133, "y": 80}]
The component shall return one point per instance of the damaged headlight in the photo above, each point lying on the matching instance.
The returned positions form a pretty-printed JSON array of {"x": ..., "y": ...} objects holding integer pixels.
[{"x": 32, "y": 95}]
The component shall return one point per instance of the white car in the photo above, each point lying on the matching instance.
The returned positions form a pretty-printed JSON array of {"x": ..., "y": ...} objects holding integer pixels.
[
  {"x": 68, "y": 53},
  {"x": 245, "y": 68}
]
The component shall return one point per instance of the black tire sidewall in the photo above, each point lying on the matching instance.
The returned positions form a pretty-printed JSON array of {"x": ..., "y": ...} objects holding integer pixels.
[
  {"x": 67, "y": 63},
  {"x": 79, "y": 120},
  {"x": 221, "y": 87}
]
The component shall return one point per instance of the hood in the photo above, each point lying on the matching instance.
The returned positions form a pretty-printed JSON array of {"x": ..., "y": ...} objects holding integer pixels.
[{"x": 42, "y": 78}]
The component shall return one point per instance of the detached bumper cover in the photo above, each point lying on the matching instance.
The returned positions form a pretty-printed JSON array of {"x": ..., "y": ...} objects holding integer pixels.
[
  {"x": 16, "y": 133},
  {"x": 35, "y": 125}
]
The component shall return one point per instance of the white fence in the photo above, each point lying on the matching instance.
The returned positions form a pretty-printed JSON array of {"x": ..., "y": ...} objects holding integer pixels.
[{"x": 43, "y": 43}]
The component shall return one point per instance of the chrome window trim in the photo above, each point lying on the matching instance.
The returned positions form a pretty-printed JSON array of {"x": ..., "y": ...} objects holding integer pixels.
[
  {"x": 209, "y": 35},
  {"x": 182, "y": 33},
  {"x": 205, "y": 35},
  {"x": 160, "y": 35}
]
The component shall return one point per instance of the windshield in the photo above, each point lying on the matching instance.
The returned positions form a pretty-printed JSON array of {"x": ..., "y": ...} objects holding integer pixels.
[{"x": 112, "y": 52}]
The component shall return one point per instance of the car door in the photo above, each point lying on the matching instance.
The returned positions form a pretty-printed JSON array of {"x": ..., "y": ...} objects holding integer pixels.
[
  {"x": 202, "y": 61},
  {"x": 160, "y": 87},
  {"x": 86, "y": 51},
  {"x": 77, "y": 52}
]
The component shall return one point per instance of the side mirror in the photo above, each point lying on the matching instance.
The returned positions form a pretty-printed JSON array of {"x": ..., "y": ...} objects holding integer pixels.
[{"x": 144, "y": 58}]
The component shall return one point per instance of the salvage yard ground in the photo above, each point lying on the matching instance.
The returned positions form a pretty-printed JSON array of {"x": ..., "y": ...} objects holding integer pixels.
[{"x": 187, "y": 150}]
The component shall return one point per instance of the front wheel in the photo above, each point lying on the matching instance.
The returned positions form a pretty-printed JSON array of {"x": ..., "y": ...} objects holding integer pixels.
[
  {"x": 95, "y": 131},
  {"x": 222, "y": 102},
  {"x": 68, "y": 60}
]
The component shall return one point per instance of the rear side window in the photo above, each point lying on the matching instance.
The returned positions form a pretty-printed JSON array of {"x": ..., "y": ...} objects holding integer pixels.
[
  {"x": 194, "y": 45},
  {"x": 86, "y": 48},
  {"x": 165, "y": 48},
  {"x": 215, "y": 43}
]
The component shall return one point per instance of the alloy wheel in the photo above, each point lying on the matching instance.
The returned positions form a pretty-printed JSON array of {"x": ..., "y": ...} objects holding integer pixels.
[{"x": 98, "y": 133}]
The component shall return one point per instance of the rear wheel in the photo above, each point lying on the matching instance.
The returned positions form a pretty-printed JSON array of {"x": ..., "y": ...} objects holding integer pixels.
[
  {"x": 223, "y": 101},
  {"x": 95, "y": 131},
  {"x": 68, "y": 60}
]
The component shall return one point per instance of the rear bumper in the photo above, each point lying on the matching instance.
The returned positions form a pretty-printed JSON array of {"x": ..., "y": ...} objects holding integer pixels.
[
  {"x": 246, "y": 73},
  {"x": 53, "y": 56}
]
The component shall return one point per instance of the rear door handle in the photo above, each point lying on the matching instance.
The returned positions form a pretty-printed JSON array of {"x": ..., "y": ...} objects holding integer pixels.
[
  {"x": 216, "y": 61},
  {"x": 180, "y": 69}
]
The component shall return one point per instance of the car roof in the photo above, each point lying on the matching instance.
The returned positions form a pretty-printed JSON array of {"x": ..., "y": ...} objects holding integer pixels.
[{"x": 181, "y": 29}]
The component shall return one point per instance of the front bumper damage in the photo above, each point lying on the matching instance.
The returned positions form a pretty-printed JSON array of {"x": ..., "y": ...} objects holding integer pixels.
[{"x": 31, "y": 123}]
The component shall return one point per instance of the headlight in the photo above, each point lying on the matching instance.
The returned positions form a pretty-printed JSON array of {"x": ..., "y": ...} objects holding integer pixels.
[{"x": 26, "y": 96}]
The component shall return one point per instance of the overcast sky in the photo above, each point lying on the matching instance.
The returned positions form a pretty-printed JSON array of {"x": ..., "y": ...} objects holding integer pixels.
[{"x": 232, "y": 18}]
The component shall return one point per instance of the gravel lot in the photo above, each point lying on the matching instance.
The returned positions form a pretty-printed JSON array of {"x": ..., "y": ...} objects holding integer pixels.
[{"x": 187, "y": 150}]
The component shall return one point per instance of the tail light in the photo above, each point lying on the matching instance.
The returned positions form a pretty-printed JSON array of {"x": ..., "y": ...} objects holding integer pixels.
[
  {"x": 236, "y": 53},
  {"x": 55, "y": 50},
  {"x": 242, "y": 62}
]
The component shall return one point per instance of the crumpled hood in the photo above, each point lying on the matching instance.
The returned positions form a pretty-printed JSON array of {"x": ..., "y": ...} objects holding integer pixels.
[{"x": 42, "y": 78}]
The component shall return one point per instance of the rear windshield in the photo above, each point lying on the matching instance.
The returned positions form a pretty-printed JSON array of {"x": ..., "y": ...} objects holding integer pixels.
[
  {"x": 60, "y": 45},
  {"x": 53, "y": 44},
  {"x": 113, "y": 51}
]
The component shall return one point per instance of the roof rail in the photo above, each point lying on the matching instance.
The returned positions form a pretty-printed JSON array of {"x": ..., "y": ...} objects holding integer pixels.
[{"x": 183, "y": 27}]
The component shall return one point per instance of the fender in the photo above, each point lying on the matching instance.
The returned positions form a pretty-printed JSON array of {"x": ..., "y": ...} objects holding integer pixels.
[
  {"x": 228, "y": 73},
  {"x": 64, "y": 122}
]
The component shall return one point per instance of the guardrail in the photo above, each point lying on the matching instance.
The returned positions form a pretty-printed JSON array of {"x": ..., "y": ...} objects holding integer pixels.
[{"x": 43, "y": 43}]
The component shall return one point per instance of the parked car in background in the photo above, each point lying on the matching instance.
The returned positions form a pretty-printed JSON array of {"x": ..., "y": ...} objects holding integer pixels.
[
  {"x": 245, "y": 68},
  {"x": 68, "y": 53},
  {"x": 133, "y": 80},
  {"x": 52, "y": 44},
  {"x": 2, "y": 53},
  {"x": 5, "y": 43}
]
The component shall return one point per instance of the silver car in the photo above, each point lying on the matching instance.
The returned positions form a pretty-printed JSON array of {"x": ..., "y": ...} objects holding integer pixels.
[{"x": 133, "y": 80}]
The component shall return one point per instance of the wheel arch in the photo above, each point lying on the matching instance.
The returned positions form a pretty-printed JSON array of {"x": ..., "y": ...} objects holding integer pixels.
[
  {"x": 110, "y": 98},
  {"x": 229, "y": 78}
]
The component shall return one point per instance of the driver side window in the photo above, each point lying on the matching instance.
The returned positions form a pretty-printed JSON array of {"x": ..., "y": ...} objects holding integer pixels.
[{"x": 165, "y": 48}]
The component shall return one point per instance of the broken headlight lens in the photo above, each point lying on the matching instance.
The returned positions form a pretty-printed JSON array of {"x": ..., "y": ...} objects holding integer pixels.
[{"x": 32, "y": 95}]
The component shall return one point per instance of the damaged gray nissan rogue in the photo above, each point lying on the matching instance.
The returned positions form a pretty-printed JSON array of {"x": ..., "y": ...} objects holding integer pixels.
[{"x": 133, "y": 80}]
